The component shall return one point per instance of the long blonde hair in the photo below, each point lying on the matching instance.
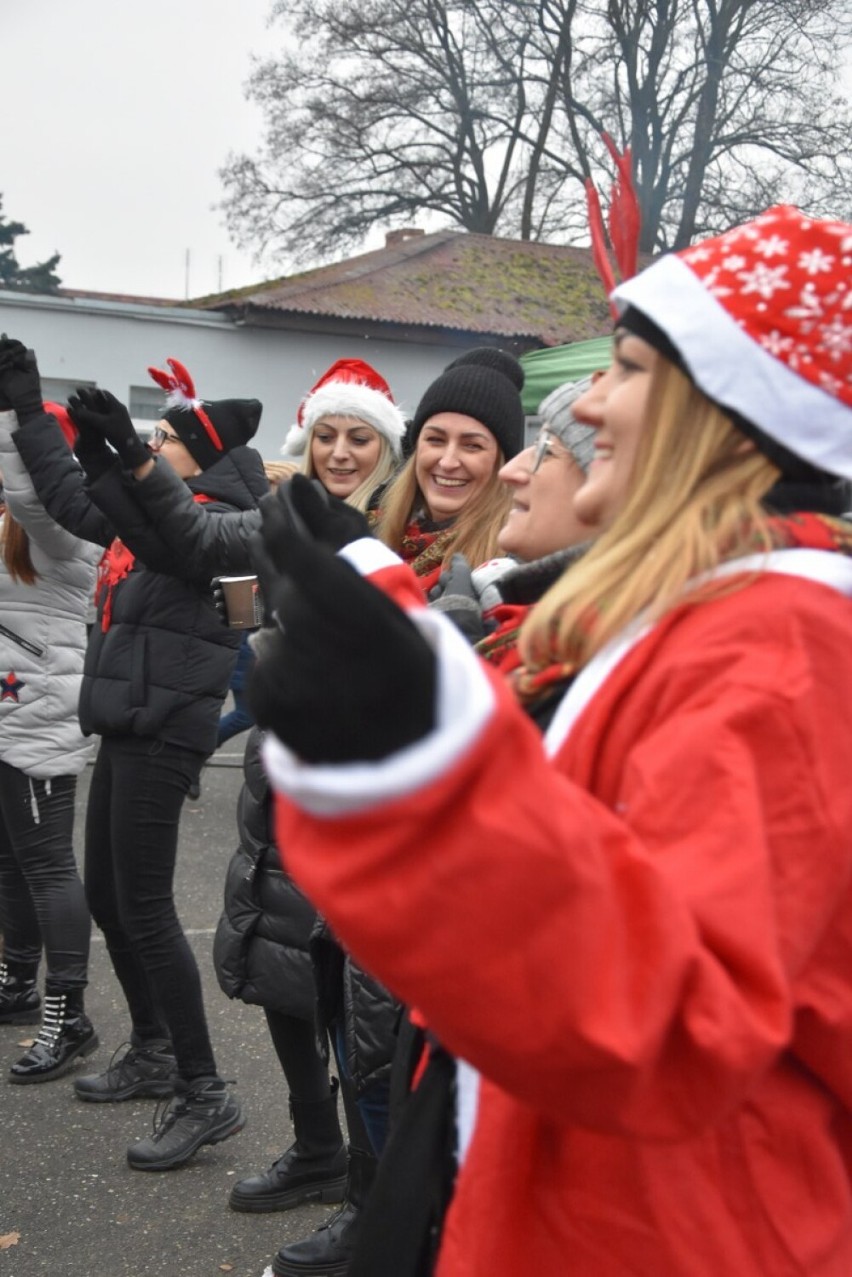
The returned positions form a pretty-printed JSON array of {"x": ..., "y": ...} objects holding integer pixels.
[
  {"x": 695, "y": 500},
  {"x": 380, "y": 474},
  {"x": 475, "y": 529},
  {"x": 16, "y": 550}
]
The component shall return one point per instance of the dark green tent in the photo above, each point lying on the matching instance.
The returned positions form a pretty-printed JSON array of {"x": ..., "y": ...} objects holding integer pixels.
[{"x": 544, "y": 370}]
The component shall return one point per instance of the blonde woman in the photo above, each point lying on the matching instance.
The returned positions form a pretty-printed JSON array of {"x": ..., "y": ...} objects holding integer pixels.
[
  {"x": 448, "y": 498},
  {"x": 638, "y": 937}
]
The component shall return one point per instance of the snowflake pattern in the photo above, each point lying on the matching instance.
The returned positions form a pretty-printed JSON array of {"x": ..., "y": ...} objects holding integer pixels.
[
  {"x": 815, "y": 261},
  {"x": 762, "y": 279},
  {"x": 799, "y": 309},
  {"x": 772, "y": 246}
]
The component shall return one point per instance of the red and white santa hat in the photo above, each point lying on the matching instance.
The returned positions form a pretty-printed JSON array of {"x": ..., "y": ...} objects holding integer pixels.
[
  {"x": 761, "y": 319},
  {"x": 349, "y": 388}
]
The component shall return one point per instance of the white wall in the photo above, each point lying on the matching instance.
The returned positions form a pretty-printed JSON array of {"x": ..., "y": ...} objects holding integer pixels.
[{"x": 112, "y": 344}]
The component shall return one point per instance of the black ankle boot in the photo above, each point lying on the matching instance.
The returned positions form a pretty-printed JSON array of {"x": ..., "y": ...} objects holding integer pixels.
[
  {"x": 313, "y": 1169},
  {"x": 19, "y": 1000},
  {"x": 328, "y": 1251},
  {"x": 66, "y": 1034}
]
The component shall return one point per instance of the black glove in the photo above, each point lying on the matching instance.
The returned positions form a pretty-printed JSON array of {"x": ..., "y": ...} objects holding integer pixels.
[
  {"x": 345, "y": 676},
  {"x": 100, "y": 411},
  {"x": 455, "y": 595},
  {"x": 308, "y": 508},
  {"x": 20, "y": 384}
]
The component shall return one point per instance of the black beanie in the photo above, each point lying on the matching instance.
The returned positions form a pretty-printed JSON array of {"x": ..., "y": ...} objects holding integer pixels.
[
  {"x": 229, "y": 424},
  {"x": 484, "y": 383}
]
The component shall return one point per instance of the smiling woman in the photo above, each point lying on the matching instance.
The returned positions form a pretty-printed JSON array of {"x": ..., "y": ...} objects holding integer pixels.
[
  {"x": 448, "y": 498},
  {"x": 348, "y": 432}
]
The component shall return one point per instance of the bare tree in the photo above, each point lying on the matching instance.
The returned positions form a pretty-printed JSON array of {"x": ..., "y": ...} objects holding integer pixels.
[{"x": 489, "y": 115}]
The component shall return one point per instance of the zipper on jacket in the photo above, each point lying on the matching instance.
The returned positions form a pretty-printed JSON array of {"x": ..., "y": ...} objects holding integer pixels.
[{"x": 22, "y": 642}]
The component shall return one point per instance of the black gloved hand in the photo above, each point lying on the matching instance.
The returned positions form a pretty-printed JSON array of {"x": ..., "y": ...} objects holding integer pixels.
[
  {"x": 326, "y": 518},
  {"x": 98, "y": 410},
  {"x": 345, "y": 676},
  {"x": 20, "y": 384},
  {"x": 454, "y": 594}
]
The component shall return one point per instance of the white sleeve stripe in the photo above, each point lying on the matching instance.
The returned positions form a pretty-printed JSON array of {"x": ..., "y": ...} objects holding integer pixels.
[{"x": 465, "y": 702}]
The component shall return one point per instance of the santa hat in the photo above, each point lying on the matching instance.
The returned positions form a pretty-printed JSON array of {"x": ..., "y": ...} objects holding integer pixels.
[
  {"x": 207, "y": 428},
  {"x": 349, "y": 388},
  {"x": 66, "y": 425},
  {"x": 484, "y": 383},
  {"x": 761, "y": 319}
]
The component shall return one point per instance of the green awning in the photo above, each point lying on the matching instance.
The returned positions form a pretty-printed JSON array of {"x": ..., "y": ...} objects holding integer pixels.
[{"x": 546, "y": 369}]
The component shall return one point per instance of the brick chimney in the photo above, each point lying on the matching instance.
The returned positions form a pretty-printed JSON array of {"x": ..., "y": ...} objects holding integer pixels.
[{"x": 393, "y": 238}]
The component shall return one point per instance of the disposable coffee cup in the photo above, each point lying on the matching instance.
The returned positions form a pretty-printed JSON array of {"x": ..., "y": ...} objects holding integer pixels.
[{"x": 242, "y": 602}]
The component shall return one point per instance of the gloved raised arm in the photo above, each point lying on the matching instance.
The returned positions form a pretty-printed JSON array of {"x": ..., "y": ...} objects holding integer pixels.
[
  {"x": 343, "y": 675},
  {"x": 20, "y": 384},
  {"x": 99, "y": 416}
]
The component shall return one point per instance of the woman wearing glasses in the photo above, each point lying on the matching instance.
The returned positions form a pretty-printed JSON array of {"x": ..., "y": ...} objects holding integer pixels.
[{"x": 157, "y": 668}]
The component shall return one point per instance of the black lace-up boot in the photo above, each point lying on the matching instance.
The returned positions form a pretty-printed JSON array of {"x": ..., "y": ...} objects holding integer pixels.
[
  {"x": 19, "y": 1000},
  {"x": 134, "y": 1072},
  {"x": 66, "y": 1034},
  {"x": 313, "y": 1169},
  {"x": 202, "y": 1112},
  {"x": 327, "y": 1252}
]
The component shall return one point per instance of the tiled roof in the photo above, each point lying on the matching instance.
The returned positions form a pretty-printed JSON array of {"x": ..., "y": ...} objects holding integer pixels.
[{"x": 541, "y": 293}]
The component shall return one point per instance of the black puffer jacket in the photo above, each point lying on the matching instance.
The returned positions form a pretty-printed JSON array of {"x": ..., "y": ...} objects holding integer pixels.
[
  {"x": 160, "y": 668},
  {"x": 270, "y": 947},
  {"x": 260, "y": 950}
]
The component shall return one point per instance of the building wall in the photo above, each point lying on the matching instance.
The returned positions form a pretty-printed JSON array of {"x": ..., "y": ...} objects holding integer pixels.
[{"x": 111, "y": 344}]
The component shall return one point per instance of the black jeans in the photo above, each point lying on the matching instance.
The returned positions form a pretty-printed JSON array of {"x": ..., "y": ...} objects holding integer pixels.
[
  {"x": 137, "y": 791},
  {"x": 41, "y": 897}
]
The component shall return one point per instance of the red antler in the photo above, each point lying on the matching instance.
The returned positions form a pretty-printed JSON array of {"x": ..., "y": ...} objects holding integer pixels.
[
  {"x": 599, "y": 253},
  {"x": 624, "y": 221},
  {"x": 182, "y": 378}
]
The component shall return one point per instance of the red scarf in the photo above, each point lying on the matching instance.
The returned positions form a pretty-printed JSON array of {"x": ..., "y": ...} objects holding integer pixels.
[{"x": 117, "y": 563}]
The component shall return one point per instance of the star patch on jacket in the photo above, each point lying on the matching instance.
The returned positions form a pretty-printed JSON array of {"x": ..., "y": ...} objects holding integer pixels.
[{"x": 10, "y": 686}]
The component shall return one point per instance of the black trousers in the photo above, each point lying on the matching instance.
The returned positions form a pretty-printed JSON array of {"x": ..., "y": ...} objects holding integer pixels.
[
  {"x": 42, "y": 902},
  {"x": 137, "y": 791}
]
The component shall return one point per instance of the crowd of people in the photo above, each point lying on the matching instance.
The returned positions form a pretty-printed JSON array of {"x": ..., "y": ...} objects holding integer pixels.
[{"x": 544, "y": 864}]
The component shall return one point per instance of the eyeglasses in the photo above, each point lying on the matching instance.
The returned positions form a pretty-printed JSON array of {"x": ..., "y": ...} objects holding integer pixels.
[
  {"x": 544, "y": 448},
  {"x": 159, "y": 436}
]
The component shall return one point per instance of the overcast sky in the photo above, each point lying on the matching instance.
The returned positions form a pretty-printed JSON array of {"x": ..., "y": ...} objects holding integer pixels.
[{"x": 117, "y": 115}]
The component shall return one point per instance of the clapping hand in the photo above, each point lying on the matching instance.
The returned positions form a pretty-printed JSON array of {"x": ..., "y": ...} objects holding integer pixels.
[
  {"x": 20, "y": 384},
  {"x": 97, "y": 412},
  {"x": 455, "y": 595},
  {"x": 345, "y": 675}
]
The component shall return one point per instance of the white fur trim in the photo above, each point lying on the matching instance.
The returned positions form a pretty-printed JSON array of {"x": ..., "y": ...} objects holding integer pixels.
[
  {"x": 294, "y": 443},
  {"x": 733, "y": 370},
  {"x": 465, "y": 703},
  {"x": 352, "y": 399}
]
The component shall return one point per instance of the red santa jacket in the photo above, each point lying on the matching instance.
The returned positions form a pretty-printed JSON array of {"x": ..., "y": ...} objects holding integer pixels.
[{"x": 643, "y": 943}]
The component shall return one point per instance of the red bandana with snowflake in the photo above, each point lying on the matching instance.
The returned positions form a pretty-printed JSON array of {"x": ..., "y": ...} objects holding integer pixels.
[{"x": 798, "y": 308}]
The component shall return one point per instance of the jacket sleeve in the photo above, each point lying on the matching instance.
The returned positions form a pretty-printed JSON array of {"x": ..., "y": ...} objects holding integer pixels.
[
  {"x": 623, "y": 953},
  {"x": 59, "y": 481},
  {"x": 26, "y": 507},
  {"x": 207, "y": 547},
  {"x": 114, "y": 493}
]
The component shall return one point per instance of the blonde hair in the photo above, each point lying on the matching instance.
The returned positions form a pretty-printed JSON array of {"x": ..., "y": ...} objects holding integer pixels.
[
  {"x": 695, "y": 499},
  {"x": 277, "y": 471},
  {"x": 380, "y": 473},
  {"x": 16, "y": 550},
  {"x": 475, "y": 529}
]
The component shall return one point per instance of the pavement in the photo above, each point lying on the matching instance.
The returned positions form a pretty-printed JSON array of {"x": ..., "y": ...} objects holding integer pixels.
[{"x": 69, "y": 1203}]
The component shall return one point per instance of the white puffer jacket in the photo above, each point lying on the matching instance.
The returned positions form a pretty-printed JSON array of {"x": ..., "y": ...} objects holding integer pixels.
[{"x": 42, "y": 633}]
